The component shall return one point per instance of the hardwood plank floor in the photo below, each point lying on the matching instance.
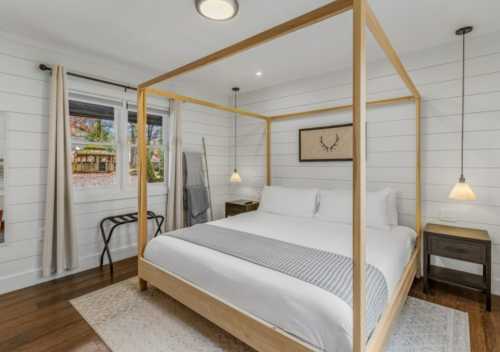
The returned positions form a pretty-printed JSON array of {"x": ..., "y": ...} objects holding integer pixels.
[{"x": 40, "y": 318}]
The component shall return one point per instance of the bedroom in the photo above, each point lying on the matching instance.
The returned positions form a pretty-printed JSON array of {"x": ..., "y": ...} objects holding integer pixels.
[{"x": 128, "y": 43}]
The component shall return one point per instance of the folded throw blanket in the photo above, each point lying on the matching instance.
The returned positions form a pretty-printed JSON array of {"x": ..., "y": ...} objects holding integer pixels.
[
  {"x": 329, "y": 271},
  {"x": 195, "y": 193}
]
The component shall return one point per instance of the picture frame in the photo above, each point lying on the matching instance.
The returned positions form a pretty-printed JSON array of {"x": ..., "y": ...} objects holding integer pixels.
[{"x": 326, "y": 143}]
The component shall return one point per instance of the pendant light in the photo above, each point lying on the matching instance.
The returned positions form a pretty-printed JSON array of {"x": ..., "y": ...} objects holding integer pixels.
[
  {"x": 217, "y": 10},
  {"x": 235, "y": 177},
  {"x": 461, "y": 190}
]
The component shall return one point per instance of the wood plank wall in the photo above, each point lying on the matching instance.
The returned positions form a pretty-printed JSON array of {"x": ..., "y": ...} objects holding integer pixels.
[
  {"x": 391, "y": 140},
  {"x": 24, "y": 95}
]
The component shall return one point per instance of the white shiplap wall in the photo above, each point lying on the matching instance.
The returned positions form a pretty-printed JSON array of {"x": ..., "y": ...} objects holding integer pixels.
[
  {"x": 24, "y": 99},
  {"x": 391, "y": 136}
]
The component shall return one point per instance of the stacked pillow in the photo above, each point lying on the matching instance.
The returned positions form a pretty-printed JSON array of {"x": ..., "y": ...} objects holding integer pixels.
[
  {"x": 289, "y": 201},
  {"x": 381, "y": 209},
  {"x": 330, "y": 205}
]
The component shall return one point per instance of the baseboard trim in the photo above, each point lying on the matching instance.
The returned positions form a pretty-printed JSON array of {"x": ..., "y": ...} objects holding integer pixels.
[{"x": 34, "y": 277}]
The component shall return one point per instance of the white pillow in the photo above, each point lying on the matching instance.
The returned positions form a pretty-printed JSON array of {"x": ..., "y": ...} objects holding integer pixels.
[
  {"x": 378, "y": 214},
  {"x": 393, "y": 207},
  {"x": 336, "y": 205},
  {"x": 289, "y": 201}
]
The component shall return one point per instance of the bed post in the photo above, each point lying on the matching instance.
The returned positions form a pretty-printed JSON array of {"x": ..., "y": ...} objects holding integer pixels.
[
  {"x": 142, "y": 179},
  {"x": 359, "y": 173},
  {"x": 418, "y": 225},
  {"x": 268, "y": 151},
  {"x": 418, "y": 180}
]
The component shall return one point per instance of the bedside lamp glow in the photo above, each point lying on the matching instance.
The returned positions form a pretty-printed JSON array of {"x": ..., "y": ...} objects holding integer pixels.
[
  {"x": 235, "y": 177},
  {"x": 461, "y": 190}
]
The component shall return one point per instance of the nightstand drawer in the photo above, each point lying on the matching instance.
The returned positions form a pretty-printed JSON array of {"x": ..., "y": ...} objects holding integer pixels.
[
  {"x": 462, "y": 250},
  {"x": 234, "y": 210},
  {"x": 239, "y": 207},
  {"x": 469, "y": 245}
]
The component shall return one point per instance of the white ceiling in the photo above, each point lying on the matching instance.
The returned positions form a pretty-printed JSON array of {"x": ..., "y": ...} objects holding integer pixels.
[{"x": 161, "y": 34}]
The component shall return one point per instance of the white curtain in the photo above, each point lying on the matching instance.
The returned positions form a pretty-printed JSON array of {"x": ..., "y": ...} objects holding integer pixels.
[
  {"x": 175, "y": 204},
  {"x": 60, "y": 242}
]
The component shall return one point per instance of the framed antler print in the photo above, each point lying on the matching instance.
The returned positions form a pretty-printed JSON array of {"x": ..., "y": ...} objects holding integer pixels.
[{"x": 328, "y": 143}]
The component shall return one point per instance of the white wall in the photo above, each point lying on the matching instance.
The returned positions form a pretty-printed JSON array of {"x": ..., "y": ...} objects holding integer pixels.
[
  {"x": 24, "y": 99},
  {"x": 24, "y": 92},
  {"x": 391, "y": 136}
]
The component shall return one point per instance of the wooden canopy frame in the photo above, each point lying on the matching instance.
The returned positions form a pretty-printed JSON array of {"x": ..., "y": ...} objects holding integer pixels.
[{"x": 250, "y": 329}]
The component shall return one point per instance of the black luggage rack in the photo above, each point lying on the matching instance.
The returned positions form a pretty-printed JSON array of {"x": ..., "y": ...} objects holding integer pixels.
[{"x": 123, "y": 219}]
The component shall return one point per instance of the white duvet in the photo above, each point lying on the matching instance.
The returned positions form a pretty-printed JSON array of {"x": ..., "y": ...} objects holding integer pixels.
[{"x": 306, "y": 311}]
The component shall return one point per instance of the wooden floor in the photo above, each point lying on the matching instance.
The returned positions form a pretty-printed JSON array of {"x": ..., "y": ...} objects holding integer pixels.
[{"x": 40, "y": 318}]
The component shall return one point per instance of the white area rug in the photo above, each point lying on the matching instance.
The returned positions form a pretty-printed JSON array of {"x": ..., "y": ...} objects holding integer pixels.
[{"x": 130, "y": 320}]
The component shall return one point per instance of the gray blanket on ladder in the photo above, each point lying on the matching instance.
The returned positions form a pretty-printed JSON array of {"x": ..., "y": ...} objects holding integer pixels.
[
  {"x": 329, "y": 271},
  {"x": 195, "y": 192}
]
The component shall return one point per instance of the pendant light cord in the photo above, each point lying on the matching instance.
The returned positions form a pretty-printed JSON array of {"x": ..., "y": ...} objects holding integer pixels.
[
  {"x": 235, "y": 127},
  {"x": 463, "y": 109}
]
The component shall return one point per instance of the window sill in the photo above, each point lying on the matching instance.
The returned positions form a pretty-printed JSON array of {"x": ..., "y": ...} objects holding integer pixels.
[{"x": 91, "y": 195}]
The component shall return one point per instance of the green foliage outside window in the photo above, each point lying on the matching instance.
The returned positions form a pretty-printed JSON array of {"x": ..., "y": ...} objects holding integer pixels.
[{"x": 155, "y": 170}]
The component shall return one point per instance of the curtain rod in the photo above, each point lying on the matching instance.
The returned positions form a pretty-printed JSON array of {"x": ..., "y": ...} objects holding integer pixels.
[{"x": 44, "y": 67}]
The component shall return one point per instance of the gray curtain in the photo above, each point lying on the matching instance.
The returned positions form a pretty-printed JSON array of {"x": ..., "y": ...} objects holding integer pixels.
[
  {"x": 175, "y": 201},
  {"x": 60, "y": 241}
]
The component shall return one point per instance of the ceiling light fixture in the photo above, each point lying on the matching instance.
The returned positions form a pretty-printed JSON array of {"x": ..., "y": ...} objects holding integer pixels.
[
  {"x": 258, "y": 73},
  {"x": 218, "y": 10}
]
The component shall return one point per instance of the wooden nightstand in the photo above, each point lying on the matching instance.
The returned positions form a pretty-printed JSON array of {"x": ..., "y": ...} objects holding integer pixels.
[
  {"x": 470, "y": 245},
  {"x": 236, "y": 207}
]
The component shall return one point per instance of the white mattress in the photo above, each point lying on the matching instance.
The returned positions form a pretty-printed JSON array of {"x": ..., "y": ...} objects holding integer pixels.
[{"x": 306, "y": 311}]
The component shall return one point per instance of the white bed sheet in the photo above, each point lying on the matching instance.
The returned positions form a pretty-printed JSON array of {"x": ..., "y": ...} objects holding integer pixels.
[{"x": 306, "y": 311}]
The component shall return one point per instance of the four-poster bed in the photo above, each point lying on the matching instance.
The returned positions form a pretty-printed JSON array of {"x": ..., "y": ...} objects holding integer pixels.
[{"x": 254, "y": 331}]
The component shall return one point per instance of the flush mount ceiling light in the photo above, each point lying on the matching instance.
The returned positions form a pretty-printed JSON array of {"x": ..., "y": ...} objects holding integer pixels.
[
  {"x": 218, "y": 10},
  {"x": 258, "y": 73}
]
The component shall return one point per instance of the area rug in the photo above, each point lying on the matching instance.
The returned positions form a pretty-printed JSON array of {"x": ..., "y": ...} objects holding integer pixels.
[{"x": 129, "y": 320}]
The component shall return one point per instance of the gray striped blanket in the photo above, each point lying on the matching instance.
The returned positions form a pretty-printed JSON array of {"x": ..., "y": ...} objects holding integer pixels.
[{"x": 329, "y": 271}]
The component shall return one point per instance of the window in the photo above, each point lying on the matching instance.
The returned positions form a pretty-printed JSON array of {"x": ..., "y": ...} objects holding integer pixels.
[
  {"x": 93, "y": 143},
  {"x": 155, "y": 147},
  {"x": 104, "y": 144}
]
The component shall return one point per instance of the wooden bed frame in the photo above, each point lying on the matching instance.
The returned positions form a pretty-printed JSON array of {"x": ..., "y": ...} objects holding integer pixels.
[{"x": 250, "y": 329}]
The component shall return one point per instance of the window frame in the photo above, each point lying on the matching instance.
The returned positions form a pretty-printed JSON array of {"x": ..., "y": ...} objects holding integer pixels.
[
  {"x": 117, "y": 111},
  {"x": 153, "y": 187},
  {"x": 122, "y": 188}
]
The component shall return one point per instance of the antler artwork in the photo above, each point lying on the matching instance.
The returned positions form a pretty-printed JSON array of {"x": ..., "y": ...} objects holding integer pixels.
[{"x": 329, "y": 148}]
